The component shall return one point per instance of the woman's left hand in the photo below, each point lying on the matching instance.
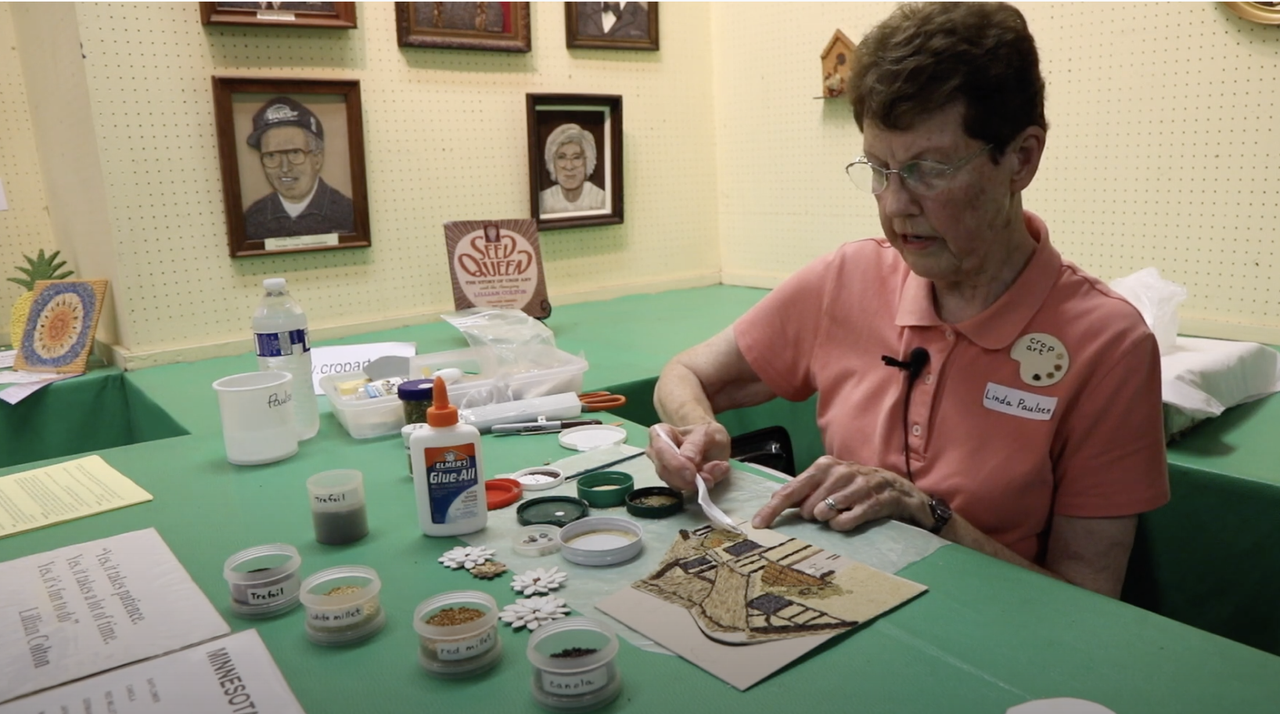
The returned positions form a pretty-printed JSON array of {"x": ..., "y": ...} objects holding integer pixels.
[{"x": 860, "y": 494}]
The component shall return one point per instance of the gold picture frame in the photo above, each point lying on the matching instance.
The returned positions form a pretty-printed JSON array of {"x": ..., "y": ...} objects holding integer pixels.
[
  {"x": 330, "y": 15},
  {"x": 491, "y": 26},
  {"x": 1265, "y": 13}
]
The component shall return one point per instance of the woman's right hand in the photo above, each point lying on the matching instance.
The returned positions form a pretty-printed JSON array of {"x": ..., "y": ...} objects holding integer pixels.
[{"x": 680, "y": 454}]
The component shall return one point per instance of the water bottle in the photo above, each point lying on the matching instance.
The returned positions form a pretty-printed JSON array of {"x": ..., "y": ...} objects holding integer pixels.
[{"x": 280, "y": 336}]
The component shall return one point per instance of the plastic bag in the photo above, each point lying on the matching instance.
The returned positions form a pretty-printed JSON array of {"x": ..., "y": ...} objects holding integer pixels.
[
  {"x": 1157, "y": 299},
  {"x": 507, "y": 343}
]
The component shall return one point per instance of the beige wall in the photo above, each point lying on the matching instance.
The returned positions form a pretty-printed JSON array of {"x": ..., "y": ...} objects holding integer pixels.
[
  {"x": 1162, "y": 146},
  {"x": 1163, "y": 150}
]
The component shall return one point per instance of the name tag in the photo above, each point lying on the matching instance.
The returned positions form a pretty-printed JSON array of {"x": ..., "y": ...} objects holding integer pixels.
[{"x": 1027, "y": 405}]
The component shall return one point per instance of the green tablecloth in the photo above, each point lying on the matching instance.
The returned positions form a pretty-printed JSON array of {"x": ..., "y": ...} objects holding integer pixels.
[
  {"x": 1205, "y": 559},
  {"x": 987, "y": 635}
]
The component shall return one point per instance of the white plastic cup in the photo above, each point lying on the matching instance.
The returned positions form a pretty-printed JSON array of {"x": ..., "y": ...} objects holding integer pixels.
[{"x": 257, "y": 417}]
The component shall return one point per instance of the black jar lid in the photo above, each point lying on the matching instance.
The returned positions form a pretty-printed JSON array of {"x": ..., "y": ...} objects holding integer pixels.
[
  {"x": 654, "y": 502},
  {"x": 415, "y": 390},
  {"x": 551, "y": 511}
]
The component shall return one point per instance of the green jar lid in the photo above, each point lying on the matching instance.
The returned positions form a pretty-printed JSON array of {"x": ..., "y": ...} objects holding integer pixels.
[
  {"x": 551, "y": 511},
  {"x": 654, "y": 502},
  {"x": 605, "y": 489}
]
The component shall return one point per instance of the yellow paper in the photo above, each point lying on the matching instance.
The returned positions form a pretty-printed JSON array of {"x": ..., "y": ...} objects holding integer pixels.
[{"x": 63, "y": 492}]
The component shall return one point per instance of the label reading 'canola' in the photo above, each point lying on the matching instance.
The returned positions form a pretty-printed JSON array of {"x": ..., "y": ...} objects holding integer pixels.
[{"x": 452, "y": 483}]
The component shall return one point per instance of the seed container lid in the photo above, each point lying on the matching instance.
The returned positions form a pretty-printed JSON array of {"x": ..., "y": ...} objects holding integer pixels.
[
  {"x": 539, "y": 478},
  {"x": 536, "y": 541},
  {"x": 605, "y": 489},
  {"x": 501, "y": 492},
  {"x": 415, "y": 390},
  {"x": 551, "y": 510},
  {"x": 654, "y": 502},
  {"x": 602, "y": 540},
  {"x": 592, "y": 436}
]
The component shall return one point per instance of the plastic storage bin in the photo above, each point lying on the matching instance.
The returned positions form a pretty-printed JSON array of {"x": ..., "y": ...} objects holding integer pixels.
[{"x": 367, "y": 418}]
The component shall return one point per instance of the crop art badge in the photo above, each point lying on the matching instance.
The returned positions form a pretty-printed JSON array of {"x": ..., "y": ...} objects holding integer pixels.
[{"x": 58, "y": 336}]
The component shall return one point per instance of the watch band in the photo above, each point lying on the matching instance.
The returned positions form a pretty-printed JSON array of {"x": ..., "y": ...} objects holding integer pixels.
[{"x": 941, "y": 512}]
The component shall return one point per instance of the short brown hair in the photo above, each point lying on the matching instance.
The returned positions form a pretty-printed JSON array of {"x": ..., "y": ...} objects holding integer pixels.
[{"x": 926, "y": 56}]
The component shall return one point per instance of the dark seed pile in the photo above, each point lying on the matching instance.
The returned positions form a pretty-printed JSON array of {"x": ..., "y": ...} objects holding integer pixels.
[{"x": 575, "y": 652}]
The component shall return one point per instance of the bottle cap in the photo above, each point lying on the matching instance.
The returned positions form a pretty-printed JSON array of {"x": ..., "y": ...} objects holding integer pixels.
[
  {"x": 415, "y": 390},
  {"x": 273, "y": 284},
  {"x": 441, "y": 412}
]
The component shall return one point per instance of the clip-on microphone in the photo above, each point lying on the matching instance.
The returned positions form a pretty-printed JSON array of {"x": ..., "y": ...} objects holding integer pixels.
[{"x": 914, "y": 365}]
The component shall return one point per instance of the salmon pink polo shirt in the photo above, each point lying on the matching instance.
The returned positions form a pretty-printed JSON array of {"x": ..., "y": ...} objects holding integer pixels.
[{"x": 1048, "y": 402}]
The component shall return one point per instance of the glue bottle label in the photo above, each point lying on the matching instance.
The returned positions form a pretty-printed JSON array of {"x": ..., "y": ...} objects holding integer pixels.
[{"x": 453, "y": 480}]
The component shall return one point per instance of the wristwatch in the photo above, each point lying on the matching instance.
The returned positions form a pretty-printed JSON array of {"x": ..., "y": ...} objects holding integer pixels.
[{"x": 941, "y": 513}]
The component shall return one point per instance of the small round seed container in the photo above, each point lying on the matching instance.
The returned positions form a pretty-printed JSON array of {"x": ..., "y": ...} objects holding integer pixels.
[
  {"x": 342, "y": 605},
  {"x": 406, "y": 433},
  {"x": 573, "y": 665},
  {"x": 605, "y": 489},
  {"x": 601, "y": 540},
  {"x": 654, "y": 502},
  {"x": 536, "y": 541},
  {"x": 264, "y": 580},
  {"x": 458, "y": 634}
]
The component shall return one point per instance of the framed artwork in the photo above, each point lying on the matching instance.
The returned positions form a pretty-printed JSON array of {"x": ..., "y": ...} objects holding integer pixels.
[
  {"x": 1266, "y": 13},
  {"x": 292, "y": 156},
  {"x": 575, "y": 159},
  {"x": 495, "y": 26},
  {"x": 336, "y": 15},
  {"x": 58, "y": 336},
  {"x": 612, "y": 25}
]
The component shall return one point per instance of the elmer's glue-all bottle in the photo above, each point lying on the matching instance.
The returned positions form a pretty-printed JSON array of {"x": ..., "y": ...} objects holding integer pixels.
[{"x": 448, "y": 478}]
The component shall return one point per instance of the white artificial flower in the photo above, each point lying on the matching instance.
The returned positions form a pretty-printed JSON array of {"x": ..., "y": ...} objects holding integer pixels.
[
  {"x": 541, "y": 580},
  {"x": 466, "y": 557},
  {"x": 533, "y": 611}
]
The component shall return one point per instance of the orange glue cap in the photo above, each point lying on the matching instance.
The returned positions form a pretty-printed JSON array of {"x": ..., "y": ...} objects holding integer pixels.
[{"x": 441, "y": 412}]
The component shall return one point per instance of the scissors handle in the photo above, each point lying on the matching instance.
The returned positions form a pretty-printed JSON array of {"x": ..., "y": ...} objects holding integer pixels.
[{"x": 600, "y": 401}]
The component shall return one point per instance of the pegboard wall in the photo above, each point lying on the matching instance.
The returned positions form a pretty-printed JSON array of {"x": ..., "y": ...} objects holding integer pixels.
[
  {"x": 444, "y": 140},
  {"x": 1162, "y": 146},
  {"x": 24, "y": 227},
  {"x": 1162, "y": 150}
]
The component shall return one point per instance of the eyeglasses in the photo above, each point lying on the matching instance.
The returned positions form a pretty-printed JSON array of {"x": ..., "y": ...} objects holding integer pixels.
[
  {"x": 271, "y": 159},
  {"x": 571, "y": 159},
  {"x": 921, "y": 177}
]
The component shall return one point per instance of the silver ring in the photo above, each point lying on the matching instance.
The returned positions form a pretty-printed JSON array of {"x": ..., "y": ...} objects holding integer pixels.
[{"x": 832, "y": 505}]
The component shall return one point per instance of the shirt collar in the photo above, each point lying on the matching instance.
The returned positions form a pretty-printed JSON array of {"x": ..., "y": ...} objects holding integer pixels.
[{"x": 1001, "y": 323}]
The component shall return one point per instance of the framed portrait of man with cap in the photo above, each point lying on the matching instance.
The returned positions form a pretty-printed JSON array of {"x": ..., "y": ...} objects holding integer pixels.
[{"x": 292, "y": 157}]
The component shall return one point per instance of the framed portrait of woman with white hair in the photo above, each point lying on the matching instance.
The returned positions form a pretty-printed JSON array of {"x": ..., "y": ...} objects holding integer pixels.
[{"x": 575, "y": 159}]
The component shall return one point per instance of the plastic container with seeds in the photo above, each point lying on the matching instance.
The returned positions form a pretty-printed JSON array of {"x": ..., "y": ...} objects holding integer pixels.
[
  {"x": 263, "y": 580},
  {"x": 458, "y": 634},
  {"x": 342, "y": 605},
  {"x": 573, "y": 665}
]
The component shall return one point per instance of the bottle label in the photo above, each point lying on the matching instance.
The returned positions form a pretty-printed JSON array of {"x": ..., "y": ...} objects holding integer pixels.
[
  {"x": 583, "y": 683},
  {"x": 465, "y": 649},
  {"x": 282, "y": 344},
  {"x": 453, "y": 483}
]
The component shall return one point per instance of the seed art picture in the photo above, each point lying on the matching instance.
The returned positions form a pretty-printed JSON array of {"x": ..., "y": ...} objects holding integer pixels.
[
  {"x": 58, "y": 335},
  {"x": 716, "y": 591}
]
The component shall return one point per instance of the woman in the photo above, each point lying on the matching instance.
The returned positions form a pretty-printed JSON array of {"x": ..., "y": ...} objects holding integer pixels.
[
  {"x": 970, "y": 381},
  {"x": 571, "y": 158}
]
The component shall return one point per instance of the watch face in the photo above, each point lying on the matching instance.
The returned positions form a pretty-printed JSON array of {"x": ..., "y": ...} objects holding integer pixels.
[{"x": 941, "y": 513}]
